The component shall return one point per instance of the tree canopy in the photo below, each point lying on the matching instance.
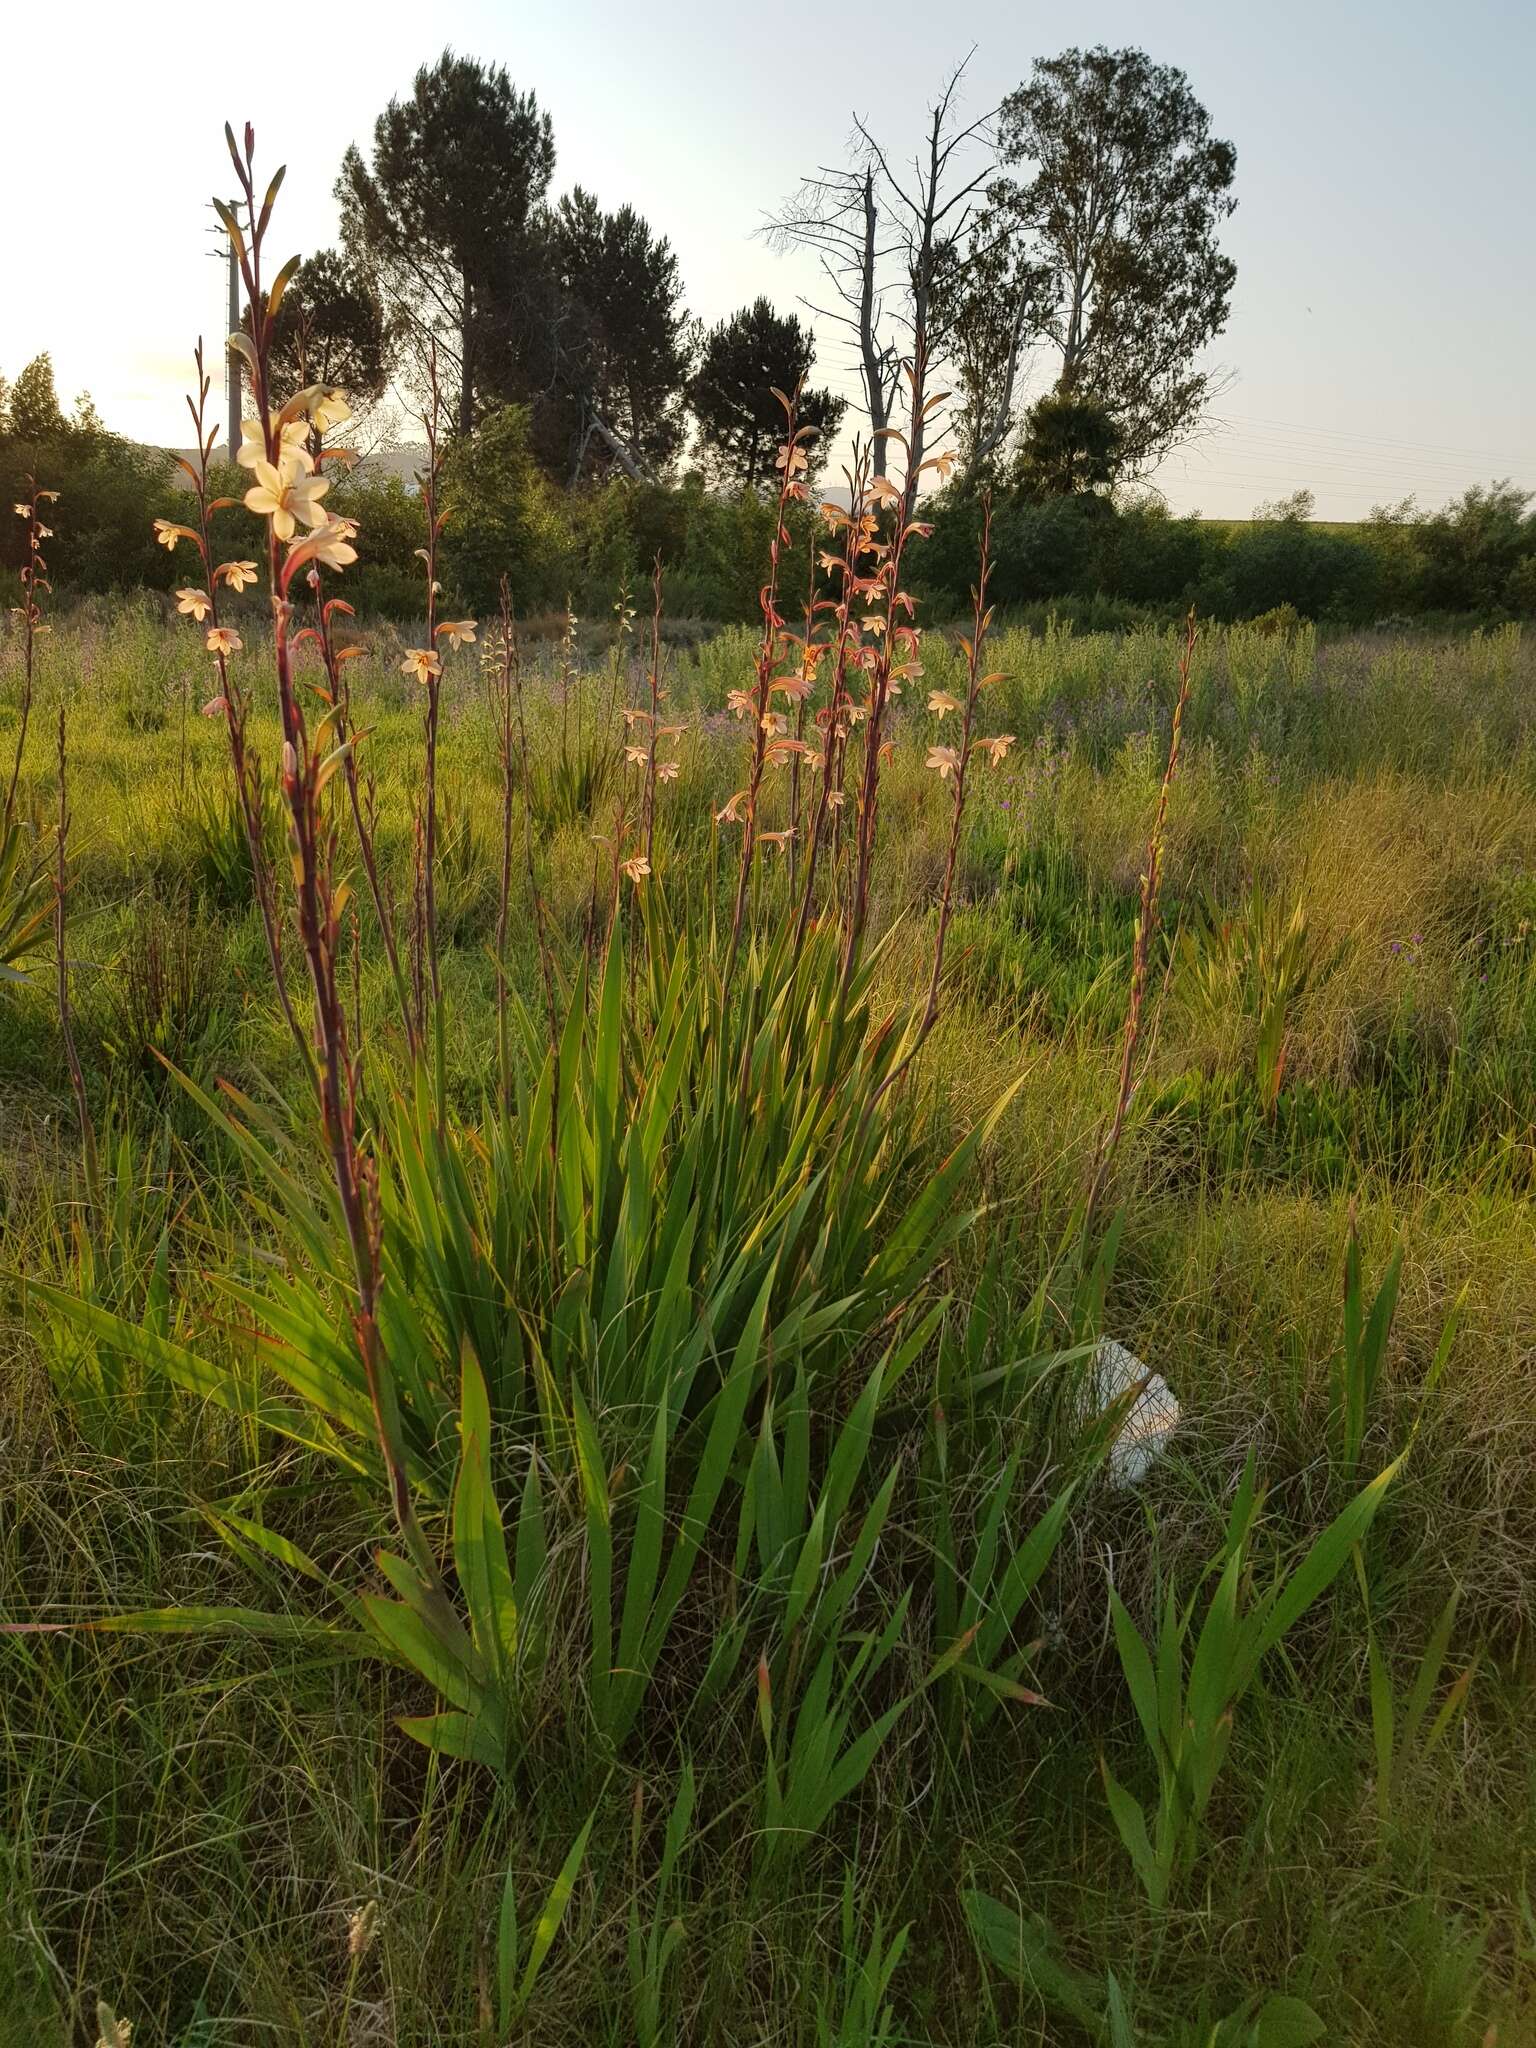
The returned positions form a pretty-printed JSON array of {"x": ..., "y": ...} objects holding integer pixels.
[
  {"x": 630, "y": 351},
  {"x": 741, "y": 423},
  {"x": 1123, "y": 193},
  {"x": 331, "y": 328},
  {"x": 457, "y": 171}
]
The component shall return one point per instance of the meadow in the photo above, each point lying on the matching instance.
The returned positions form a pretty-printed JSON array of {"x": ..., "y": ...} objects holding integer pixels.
[{"x": 823, "y": 1687}]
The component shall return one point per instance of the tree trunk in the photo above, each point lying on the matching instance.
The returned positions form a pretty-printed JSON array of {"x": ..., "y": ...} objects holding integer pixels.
[
  {"x": 466, "y": 368},
  {"x": 874, "y": 383},
  {"x": 621, "y": 450},
  {"x": 992, "y": 432}
]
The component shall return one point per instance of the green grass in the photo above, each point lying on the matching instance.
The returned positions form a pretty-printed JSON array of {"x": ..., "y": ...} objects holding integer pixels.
[{"x": 191, "y": 1820}]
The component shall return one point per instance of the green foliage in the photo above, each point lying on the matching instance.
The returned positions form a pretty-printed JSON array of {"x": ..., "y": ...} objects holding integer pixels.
[
  {"x": 698, "y": 1353},
  {"x": 1070, "y": 443},
  {"x": 504, "y": 516},
  {"x": 1404, "y": 1743},
  {"x": 330, "y": 329},
  {"x": 113, "y": 490},
  {"x": 677, "y": 1200},
  {"x": 1470, "y": 557},
  {"x": 656, "y": 1933},
  {"x": 514, "y": 1987},
  {"x": 26, "y": 898},
  {"x": 33, "y": 409},
  {"x": 1185, "y": 1705},
  {"x": 218, "y": 846},
  {"x": 855, "y": 2011},
  {"x": 1256, "y": 963},
  {"x": 122, "y": 1267},
  {"x": 623, "y": 346}
]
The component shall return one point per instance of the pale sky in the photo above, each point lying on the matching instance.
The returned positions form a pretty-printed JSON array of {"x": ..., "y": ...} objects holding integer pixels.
[{"x": 1382, "y": 335}]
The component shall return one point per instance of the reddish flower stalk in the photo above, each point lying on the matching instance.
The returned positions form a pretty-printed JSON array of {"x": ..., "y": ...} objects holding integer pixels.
[
  {"x": 434, "y": 680},
  {"x": 974, "y": 682},
  {"x": 656, "y": 697},
  {"x": 1146, "y": 927},
  {"x": 512, "y": 692},
  {"x": 337, "y": 662},
  {"x": 792, "y": 464},
  {"x": 813, "y": 655},
  {"x": 34, "y": 577},
  {"x": 231, "y": 701},
  {"x": 857, "y": 532},
  {"x": 66, "y": 1022},
  {"x": 954, "y": 765},
  {"x": 898, "y": 635},
  {"x": 306, "y": 768}
]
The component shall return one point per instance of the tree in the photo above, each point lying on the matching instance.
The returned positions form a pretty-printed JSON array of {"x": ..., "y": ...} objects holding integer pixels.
[
  {"x": 1071, "y": 445},
  {"x": 505, "y": 517},
  {"x": 1294, "y": 510},
  {"x": 991, "y": 299},
  {"x": 35, "y": 412},
  {"x": 624, "y": 357},
  {"x": 1128, "y": 188},
  {"x": 885, "y": 236},
  {"x": 458, "y": 170},
  {"x": 331, "y": 329},
  {"x": 1475, "y": 546},
  {"x": 836, "y": 214},
  {"x": 741, "y": 362}
]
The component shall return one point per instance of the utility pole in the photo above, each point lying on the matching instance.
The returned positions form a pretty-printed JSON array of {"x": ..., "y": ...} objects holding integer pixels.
[{"x": 231, "y": 359}]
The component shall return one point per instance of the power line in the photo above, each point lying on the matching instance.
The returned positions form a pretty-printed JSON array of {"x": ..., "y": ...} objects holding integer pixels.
[{"x": 1344, "y": 434}]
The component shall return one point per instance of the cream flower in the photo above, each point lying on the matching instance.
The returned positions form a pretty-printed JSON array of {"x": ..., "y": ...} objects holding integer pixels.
[
  {"x": 253, "y": 440},
  {"x": 421, "y": 664},
  {"x": 194, "y": 604},
  {"x": 457, "y": 632},
  {"x": 236, "y": 574},
  {"x": 330, "y": 544},
  {"x": 223, "y": 640},
  {"x": 287, "y": 494},
  {"x": 997, "y": 746},
  {"x": 666, "y": 771},
  {"x": 940, "y": 703},
  {"x": 330, "y": 410},
  {"x": 168, "y": 533},
  {"x": 636, "y": 867},
  {"x": 945, "y": 760}
]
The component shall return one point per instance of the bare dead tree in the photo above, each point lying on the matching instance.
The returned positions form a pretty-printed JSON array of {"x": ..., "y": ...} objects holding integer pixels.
[
  {"x": 931, "y": 206},
  {"x": 884, "y": 232},
  {"x": 836, "y": 214}
]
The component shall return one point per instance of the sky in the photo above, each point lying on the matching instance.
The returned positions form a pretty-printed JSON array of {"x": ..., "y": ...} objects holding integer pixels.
[{"x": 1383, "y": 323}]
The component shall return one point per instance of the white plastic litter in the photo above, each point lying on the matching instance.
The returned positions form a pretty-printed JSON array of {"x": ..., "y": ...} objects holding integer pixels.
[{"x": 1150, "y": 1420}]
